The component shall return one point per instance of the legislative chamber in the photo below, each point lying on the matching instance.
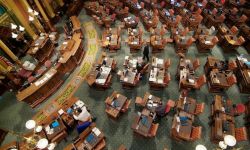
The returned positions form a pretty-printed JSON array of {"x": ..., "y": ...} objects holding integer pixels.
[{"x": 124, "y": 75}]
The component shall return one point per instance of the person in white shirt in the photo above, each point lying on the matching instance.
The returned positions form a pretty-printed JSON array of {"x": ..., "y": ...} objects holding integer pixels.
[{"x": 83, "y": 116}]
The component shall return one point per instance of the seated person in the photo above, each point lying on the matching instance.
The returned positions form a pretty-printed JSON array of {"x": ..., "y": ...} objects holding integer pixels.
[{"x": 83, "y": 115}]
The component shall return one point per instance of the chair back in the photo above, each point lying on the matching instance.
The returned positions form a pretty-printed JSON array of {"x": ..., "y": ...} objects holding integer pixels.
[
  {"x": 241, "y": 40},
  {"x": 137, "y": 19},
  {"x": 241, "y": 134},
  {"x": 196, "y": 133},
  {"x": 48, "y": 64},
  {"x": 222, "y": 17},
  {"x": 113, "y": 16},
  {"x": 198, "y": 11},
  {"x": 107, "y": 11},
  {"x": 204, "y": 3},
  {"x": 183, "y": 3},
  {"x": 167, "y": 79},
  {"x": 215, "y": 40},
  {"x": 178, "y": 19},
  {"x": 134, "y": 1},
  {"x": 231, "y": 80},
  {"x": 31, "y": 79},
  {"x": 199, "y": 108},
  {"x": 167, "y": 63},
  {"x": 201, "y": 81},
  {"x": 242, "y": 2},
  {"x": 234, "y": 11},
  {"x": 190, "y": 41},
  {"x": 214, "y": 11},
  {"x": 145, "y": 69},
  {"x": 162, "y": 4},
  {"x": 171, "y": 12},
  {"x": 126, "y": 9},
  {"x": 232, "y": 65},
  {"x": 196, "y": 63},
  {"x": 142, "y": 5},
  {"x": 243, "y": 18},
  {"x": 154, "y": 129},
  {"x": 234, "y": 30}
]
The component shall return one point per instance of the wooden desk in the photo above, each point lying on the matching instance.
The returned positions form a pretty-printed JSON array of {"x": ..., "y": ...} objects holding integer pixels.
[
  {"x": 181, "y": 132},
  {"x": 181, "y": 43},
  {"x": 100, "y": 78},
  {"x": 38, "y": 91},
  {"x": 186, "y": 74},
  {"x": 186, "y": 104},
  {"x": 134, "y": 63},
  {"x": 58, "y": 132},
  {"x": 74, "y": 8},
  {"x": 41, "y": 48},
  {"x": 157, "y": 42},
  {"x": 205, "y": 43},
  {"x": 159, "y": 63},
  {"x": 243, "y": 73},
  {"x": 214, "y": 63},
  {"x": 217, "y": 81},
  {"x": 130, "y": 22},
  {"x": 91, "y": 139},
  {"x": 221, "y": 106},
  {"x": 115, "y": 103},
  {"x": 135, "y": 41},
  {"x": 218, "y": 131},
  {"x": 129, "y": 78},
  {"x": 149, "y": 20},
  {"x": 76, "y": 24},
  {"x": 151, "y": 101},
  {"x": 107, "y": 62},
  {"x": 93, "y": 8},
  {"x": 158, "y": 78},
  {"x": 142, "y": 124},
  {"x": 134, "y": 8},
  {"x": 111, "y": 39},
  {"x": 72, "y": 54}
]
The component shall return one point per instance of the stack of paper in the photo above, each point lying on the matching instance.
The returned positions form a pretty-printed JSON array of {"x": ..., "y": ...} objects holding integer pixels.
[{"x": 96, "y": 131}]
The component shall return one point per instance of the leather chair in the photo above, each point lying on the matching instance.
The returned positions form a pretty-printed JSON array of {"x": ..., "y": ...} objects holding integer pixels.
[
  {"x": 241, "y": 134},
  {"x": 232, "y": 65},
  {"x": 200, "y": 82},
  {"x": 167, "y": 63},
  {"x": 196, "y": 133},
  {"x": 153, "y": 129},
  {"x": 196, "y": 64},
  {"x": 199, "y": 108},
  {"x": 231, "y": 80},
  {"x": 234, "y": 30},
  {"x": 126, "y": 106}
]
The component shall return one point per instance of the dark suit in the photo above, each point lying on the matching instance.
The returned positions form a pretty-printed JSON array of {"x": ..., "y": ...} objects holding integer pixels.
[{"x": 146, "y": 52}]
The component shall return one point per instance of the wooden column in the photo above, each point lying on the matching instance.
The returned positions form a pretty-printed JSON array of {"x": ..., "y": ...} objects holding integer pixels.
[
  {"x": 49, "y": 9},
  {"x": 45, "y": 17},
  {"x": 10, "y": 53},
  {"x": 60, "y": 2},
  {"x": 36, "y": 22},
  {"x": 24, "y": 21}
]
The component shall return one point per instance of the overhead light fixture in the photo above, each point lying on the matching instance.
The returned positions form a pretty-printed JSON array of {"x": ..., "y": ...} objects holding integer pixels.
[
  {"x": 31, "y": 18},
  {"x": 30, "y": 10},
  {"x": 21, "y": 28},
  {"x": 36, "y": 13},
  {"x": 13, "y": 26},
  {"x": 13, "y": 35}
]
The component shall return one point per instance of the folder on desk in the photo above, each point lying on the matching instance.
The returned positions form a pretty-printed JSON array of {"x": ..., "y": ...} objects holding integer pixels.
[{"x": 55, "y": 124}]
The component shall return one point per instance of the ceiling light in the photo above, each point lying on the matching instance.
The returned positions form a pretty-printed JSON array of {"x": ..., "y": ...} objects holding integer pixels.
[{"x": 13, "y": 26}]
